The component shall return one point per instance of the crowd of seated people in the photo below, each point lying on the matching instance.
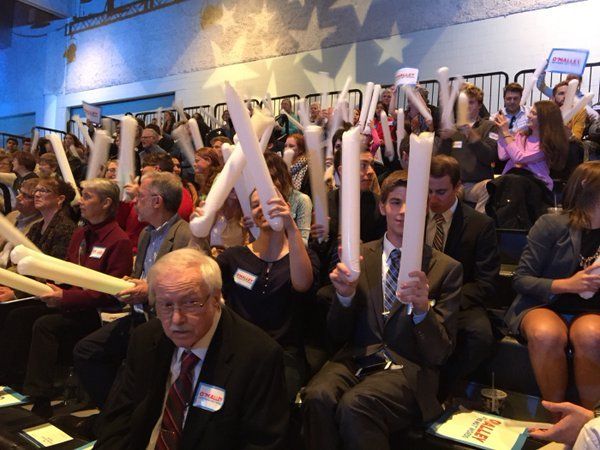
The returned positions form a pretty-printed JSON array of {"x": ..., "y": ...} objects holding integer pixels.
[{"x": 215, "y": 343}]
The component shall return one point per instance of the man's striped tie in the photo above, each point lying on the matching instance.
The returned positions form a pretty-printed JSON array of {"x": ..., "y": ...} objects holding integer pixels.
[
  {"x": 180, "y": 394},
  {"x": 438, "y": 239},
  {"x": 391, "y": 281}
]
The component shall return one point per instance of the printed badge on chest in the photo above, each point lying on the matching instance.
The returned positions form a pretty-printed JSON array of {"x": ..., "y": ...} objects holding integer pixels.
[{"x": 244, "y": 278}]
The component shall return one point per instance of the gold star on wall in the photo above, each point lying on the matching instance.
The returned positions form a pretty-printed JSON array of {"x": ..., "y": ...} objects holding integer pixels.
[{"x": 70, "y": 53}]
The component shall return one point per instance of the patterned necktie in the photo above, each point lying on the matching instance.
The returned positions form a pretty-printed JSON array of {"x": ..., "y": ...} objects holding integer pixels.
[
  {"x": 180, "y": 394},
  {"x": 391, "y": 281},
  {"x": 438, "y": 239}
]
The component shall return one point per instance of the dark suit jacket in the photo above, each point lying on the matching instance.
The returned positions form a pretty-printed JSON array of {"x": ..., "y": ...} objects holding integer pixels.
[
  {"x": 177, "y": 237},
  {"x": 420, "y": 348},
  {"x": 552, "y": 252},
  {"x": 472, "y": 241},
  {"x": 241, "y": 359}
]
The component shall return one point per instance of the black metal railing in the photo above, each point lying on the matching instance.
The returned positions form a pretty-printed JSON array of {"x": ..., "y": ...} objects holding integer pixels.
[
  {"x": 491, "y": 83},
  {"x": 220, "y": 107},
  {"x": 355, "y": 99},
  {"x": 276, "y": 101},
  {"x": 590, "y": 81},
  {"x": 43, "y": 131}
]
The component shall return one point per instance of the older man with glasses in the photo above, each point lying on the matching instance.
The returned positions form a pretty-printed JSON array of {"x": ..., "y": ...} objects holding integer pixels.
[{"x": 199, "y": 376}]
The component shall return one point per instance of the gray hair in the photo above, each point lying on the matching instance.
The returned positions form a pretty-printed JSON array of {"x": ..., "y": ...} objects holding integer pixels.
[
  {"x": 105, "y": 189},
  {"x": 206, "y": 270},
  {"x": 168, "y": 186}
]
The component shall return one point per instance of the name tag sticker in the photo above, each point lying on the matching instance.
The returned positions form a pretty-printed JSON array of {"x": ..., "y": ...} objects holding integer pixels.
[
  {"x": 209, "y": 398},
  {"x": 457, "y": 144},
  {"x": 493, "y": 136},
  {"x": 97, "y": 252},
  {"x": 244, "y": 279}
]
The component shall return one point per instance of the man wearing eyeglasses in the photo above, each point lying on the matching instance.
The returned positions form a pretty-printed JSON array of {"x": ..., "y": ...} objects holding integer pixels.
[
  {"x": 200, "y": 376},
  {"x": 98, "y": 357}
]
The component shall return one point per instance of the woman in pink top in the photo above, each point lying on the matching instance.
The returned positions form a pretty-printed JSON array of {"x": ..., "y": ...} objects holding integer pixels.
[{"x": 541, "y": 148}]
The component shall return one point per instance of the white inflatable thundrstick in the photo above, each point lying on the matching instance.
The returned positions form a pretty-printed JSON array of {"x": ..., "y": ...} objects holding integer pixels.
[
  {"x": 417, "y": 190},
  {"x": 589, "y": 294},
  {"x": 372, "y": 106},
  {"x": 8, "y": 178},
  {"x": 456, "y": 85},
  {"x": 20, "y": 283},
  {"x": 400, "y": 131},
  {"x": 195, "y": 132},
  {"x": 35, "y": 140},
  {"x": 540, "y": 68},
  {"x": 255, "y": 160},
  {"x": 126, "y": 167},
  {"x": 288, "y": 156},
  {"x": 345, "y": 106},
  {"x": 462, "y": 110},
  {"x": 417, "y": 101},
  {"x": 266, "y": 136},
  {"x": 63, "y": 163},
  {"x": 220, "y": 190},
  {"x": 316, "y": 166},
  {"x": 86, "y": 279},
  {"x": 226, "y": 151},
  {"x": 332, "y": 127},
  {"x": 243, "y": 188},
  {"x": 569, "y": 96},
  {"x": 268, "y": 103},
  {"x": 98, "y": 154},
  {"x": 184, "y": 140},
  {"x": 159, "y": 117},
  {"x": 530, "y": 83},
  {"x": 387, "y": 136},
  {"x": 261, "y": 121},
  {"x": 579, "y": 105},
  {"x": 84, "y": 132},
  {"x": 447, "y": 107},
  {"x": 178, "y": 105},
  {"x": 364, "y": 107},
  {"x": 13, "y": 235},
  {"x": 324, "y": 82},
  {"x": 350, "y": 201},
  {"x": 344, "y": 94},
  {"x": 303, "y": 113}
]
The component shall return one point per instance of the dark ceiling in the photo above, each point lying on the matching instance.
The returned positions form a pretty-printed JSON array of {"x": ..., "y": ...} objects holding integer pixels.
[{"x": 13, "y": 13}]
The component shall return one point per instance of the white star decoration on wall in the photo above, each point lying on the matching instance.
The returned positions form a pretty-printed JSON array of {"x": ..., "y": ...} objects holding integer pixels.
[{"x": 243, "y": 32}]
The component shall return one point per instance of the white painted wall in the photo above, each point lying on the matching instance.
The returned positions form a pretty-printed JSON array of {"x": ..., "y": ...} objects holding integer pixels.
[{"x": 509, "y": 43}]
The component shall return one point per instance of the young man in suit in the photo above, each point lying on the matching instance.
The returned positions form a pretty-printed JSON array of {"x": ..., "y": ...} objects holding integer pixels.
[
  {"x": 470, "y": 238},
  {"x": 200, "y": 376},
  {"x": 386, "y": 374}
]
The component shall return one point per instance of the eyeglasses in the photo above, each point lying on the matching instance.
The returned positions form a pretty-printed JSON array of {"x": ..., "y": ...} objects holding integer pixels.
[
  {"x": 25, "y": 195},
  {"x": 42, "y": 190},
  {"x": 187, "y": 307}
]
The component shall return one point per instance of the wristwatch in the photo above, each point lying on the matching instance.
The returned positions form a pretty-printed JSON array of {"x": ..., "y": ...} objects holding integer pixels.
[{"x": 597, "y": 410}]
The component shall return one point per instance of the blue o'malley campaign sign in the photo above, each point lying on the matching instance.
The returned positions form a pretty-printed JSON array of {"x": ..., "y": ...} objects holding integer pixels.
[{"x": 567, "y": 60}]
